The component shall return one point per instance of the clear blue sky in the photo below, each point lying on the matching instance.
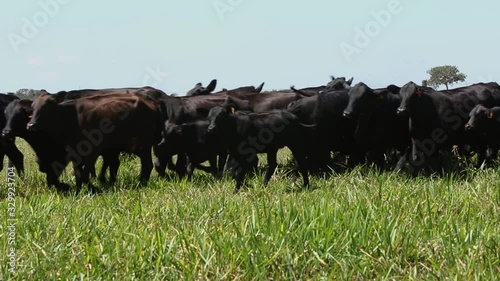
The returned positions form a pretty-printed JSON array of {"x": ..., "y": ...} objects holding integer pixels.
[{"x": 99, "y": 44}]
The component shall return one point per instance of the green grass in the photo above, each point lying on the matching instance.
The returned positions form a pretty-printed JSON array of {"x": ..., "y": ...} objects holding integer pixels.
[{"x": 359, "y": 225}]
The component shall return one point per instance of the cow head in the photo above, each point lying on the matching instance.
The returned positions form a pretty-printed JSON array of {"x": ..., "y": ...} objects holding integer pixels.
[
  {"x": 199, "y": 90},
  {"x": 480, "y": 116},
  {"x": 17, "y": 114},
  {"x": 44, "y": 110},
  {"x": 362, "y": 100},
  {"x": 171, "y": 138},
  {"x": 218, "y": 117},
  {"x": 409, "y": 94},
  {"x": 338, "y": 83}
]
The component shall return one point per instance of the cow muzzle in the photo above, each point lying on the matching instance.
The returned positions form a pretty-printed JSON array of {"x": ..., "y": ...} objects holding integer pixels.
[
  {"x": 469, "y": 127},
  {"x": 347, "y": 114},
  {"x": 211, "y": 129},
  {"x": 31, "y": 127},
  {"x": 7, "y": 134},
  {"x": 401, "y": 111}
]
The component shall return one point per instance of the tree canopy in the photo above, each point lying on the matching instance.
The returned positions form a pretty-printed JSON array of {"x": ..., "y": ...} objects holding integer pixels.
[{"x": 446, "y": 75}]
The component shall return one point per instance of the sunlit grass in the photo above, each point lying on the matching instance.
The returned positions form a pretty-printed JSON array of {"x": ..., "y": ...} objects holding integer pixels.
[{"x": 356, "y": 225}]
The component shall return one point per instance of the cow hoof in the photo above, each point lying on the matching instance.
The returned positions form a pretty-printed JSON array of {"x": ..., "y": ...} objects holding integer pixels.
[
  {"x": 93, "y": 190},
  {"x": 62, "y": 187}
]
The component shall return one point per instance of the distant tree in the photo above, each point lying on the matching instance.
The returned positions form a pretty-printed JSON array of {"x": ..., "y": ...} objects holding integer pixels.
[
  {"x": 27, "y": 93},
  {"x": 445, "y": 75}
]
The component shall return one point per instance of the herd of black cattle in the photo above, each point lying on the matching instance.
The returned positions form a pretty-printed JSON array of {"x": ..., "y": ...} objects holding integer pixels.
[{"x": 387, "y": 127}]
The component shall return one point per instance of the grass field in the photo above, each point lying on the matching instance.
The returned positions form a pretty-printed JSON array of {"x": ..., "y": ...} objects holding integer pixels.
[{"x": 357, "y": 225}]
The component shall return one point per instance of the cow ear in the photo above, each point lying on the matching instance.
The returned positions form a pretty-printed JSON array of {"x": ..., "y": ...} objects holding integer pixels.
[
  {"x": 332, "y": 77},
  {"x": 349, "y": 82},
  {"x": 212, "y": 85},
  {"x": 393, "y": 89},
  {"x": 229, "y": 105},
  {"x": 491, "y": 114}
]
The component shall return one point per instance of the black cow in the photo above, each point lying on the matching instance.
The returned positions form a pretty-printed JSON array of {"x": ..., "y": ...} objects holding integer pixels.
[
  {"x": 338, "y": 83},
  {"x": 193, "y": 140},
  {"x": 180, "y": 110},
  {"x": 246, "y": 134},
  {"x": 437, "y": 119},
  {"x": 335, "y": 132},
  {"x": 101, "y": 124},
  {"x": 7, "y": 145},
  {"x": 379, "y": 129},
  {"x": 265, "y": 101},
  {"x": 51, "y": 154},
  {"x": 76, "y": 94},
  {"x": 199, "y": 90},
  {"x": 109, "y": 157},
  {"x": 243, "y": 90}
]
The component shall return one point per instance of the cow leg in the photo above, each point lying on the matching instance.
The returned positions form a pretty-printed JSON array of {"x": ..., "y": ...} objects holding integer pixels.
[
  {"x": 114, "y": 164},
  {"x": 87, "y": 168},
  {"x": 15, "y": 156},
  {"x": 105, "y": 165},
  {"x": 239, "y": 175},
  {"x": 180, "y": 165},
  {"x": 271, "y": 166},
  {"x": 401, "y": 162},
  {"x": 221, "y": 164},
  {"x": 492, "y": 154},
  {"x": 301, "y": 164},
  {"x": 2, "y": 154},
  {"x": 78, "y": 169},
  {"x": 417, "y": 160},
  {"x": 189, "y": 170},
  {"x": 482, "y": 151},
  {"x": 146, "y": 165},
  {"x": 213, "y": 166},
  {"x": 376, "y": 157},
  {"x": 161, "y": 161}
]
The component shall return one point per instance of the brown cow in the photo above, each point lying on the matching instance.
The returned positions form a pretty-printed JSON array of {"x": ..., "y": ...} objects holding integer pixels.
[{"x": 101, "y": 124}]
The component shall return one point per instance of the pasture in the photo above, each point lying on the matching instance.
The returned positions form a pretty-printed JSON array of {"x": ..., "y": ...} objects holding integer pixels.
[{"x": 355, "y": 225}]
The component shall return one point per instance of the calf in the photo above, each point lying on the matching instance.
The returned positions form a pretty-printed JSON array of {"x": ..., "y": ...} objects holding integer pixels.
[
  {"x": 246, "y": 134},
  {"x": 104, "y": 123},
  {"x": 193, "y": 140}
]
